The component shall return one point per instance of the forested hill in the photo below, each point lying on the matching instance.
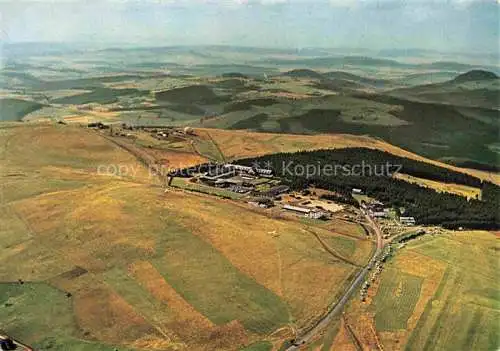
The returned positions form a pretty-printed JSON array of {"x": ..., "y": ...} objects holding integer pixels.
[{"x": 371, "y": 170}]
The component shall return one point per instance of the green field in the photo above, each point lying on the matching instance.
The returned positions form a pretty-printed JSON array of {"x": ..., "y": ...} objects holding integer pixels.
[
  {"x": 42, "y": 316},
  {"x": 150, "y": 308},
  {"x": 436, "y": 293},
  {"x": 15, "y": 109},
  {"x": 99, "y": 96},
  {"x": 463, "y": 311},
  {"x": 207, "y": 281},
  {"x": 396, "y": 297},
  {"x": 208, "y": 149},
  {"x": 345, "y": 246}
]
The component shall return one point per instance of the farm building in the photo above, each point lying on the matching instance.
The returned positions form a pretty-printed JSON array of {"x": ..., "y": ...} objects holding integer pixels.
[
  {"x": 240, "y": 189},
  {"x": 264, "y": 172},
  {"x": 307, "y": 212},
  {"x": 407, "y": 220},
  {"x": 228, "y": 182},
  {"x": 240, "y": 168},
  {"x": 218, "y": 173},
  {"x": 250, "y": 170},
  {"x": 379, "y": 214},
  {"x": 276, "y": 191},
  {"x": 303, "y": 210},
  {"x": 357, "y": 191}
]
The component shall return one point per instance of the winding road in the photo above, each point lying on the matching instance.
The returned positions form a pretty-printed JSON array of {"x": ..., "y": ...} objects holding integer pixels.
[{"x": 339, "y": 305}]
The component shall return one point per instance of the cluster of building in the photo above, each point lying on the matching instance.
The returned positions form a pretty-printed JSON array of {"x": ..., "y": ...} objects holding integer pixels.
[
  {"x": 244, "y": 179},
  {"x": 376, "y": 209},
  {"x": 238, "y": 178},
  {"x": 308, "y": 212}
]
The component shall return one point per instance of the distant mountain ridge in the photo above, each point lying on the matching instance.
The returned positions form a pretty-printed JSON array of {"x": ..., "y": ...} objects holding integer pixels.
[{"x": 341, "y": 62}]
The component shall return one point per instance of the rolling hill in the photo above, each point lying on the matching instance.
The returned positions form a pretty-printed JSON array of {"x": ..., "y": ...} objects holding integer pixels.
[
  {"x": 436, "y": 130},
  {"x": 475, "y": 75},
  {"x": 117, "y": 262},
  {"x": 475, "y": 88},
  {"x": 190, "y": 94},
  {"x": 16, "y": 109},
  {"x": 304, "y": 73},
  {"x": 358, "y": 79}
]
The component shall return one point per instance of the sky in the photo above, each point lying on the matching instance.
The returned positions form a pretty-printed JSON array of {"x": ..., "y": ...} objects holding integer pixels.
[{"x": 443, "y": 25}]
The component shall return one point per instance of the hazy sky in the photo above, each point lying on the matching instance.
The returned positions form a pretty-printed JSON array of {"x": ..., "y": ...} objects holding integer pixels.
[{"x": 447, "y": 25}]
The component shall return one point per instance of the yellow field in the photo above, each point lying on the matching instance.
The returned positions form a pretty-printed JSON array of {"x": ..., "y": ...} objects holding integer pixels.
[{"x": 458, "y": 189}]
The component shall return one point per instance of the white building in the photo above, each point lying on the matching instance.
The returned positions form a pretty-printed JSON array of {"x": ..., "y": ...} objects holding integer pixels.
[
  {"x": 407, "y": 220},
  {"x": 307, "y": 212},
  {"x": 239, "y": 168}
]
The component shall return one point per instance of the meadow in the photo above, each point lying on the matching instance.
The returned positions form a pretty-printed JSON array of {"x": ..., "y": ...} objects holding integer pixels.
[
  {"x": 437, "y": 293},
  {"x": 125, "y": 264}
]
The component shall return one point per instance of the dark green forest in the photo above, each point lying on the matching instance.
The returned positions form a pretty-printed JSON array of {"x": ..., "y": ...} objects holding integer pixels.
[{"x": 426, "y": 205}]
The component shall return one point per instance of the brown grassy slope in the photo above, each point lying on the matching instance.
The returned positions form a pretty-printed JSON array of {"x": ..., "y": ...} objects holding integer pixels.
[{"x": 62, "y": 218}]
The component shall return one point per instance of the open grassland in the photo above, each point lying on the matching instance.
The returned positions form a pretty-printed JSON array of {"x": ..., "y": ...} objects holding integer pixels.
[
  {"x": 33, "y": 300},
  {"x": 197, "y": 247},
  {"x": 43, "y": 158},
  {"x": 207, "y": 148},
  {"x": 465, "y": 308},
  {"x": 240, "y": 144},
  {"x": 437, "y": 293},
  {"x": 458, "y": 189},
  {"x": 395, "y": 301},
  {"x": 113, "y": 260}
]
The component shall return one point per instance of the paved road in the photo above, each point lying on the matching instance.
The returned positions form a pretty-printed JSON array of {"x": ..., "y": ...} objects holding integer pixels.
[{"x": 339, "y": 306}]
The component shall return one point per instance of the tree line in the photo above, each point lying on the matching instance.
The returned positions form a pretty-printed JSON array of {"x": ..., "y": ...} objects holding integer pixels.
[{"x": 426, "y": 205}]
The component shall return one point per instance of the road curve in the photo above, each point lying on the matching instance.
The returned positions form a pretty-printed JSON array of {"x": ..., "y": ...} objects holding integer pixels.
[{"x": 339, "y": 305}]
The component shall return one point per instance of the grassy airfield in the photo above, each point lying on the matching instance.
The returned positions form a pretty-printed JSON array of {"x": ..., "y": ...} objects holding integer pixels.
[{"x": 112, "y": 261}]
